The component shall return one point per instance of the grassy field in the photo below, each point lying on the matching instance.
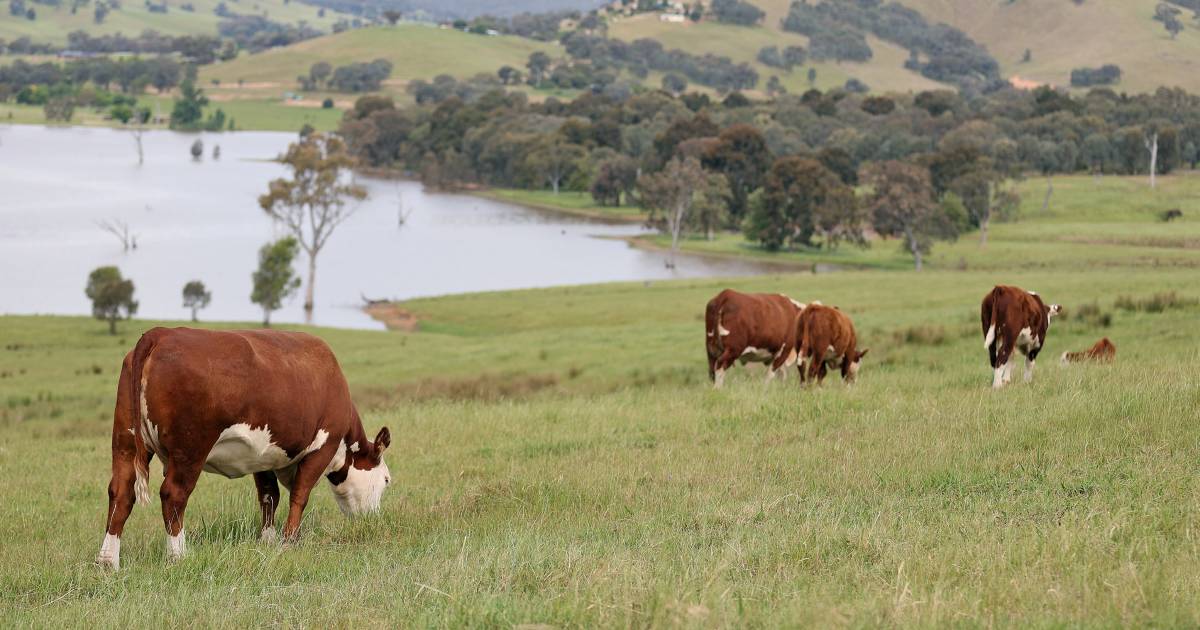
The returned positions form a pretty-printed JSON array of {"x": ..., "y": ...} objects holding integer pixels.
[
  {"x": 560, "y": 459},
  {"x": 566, "y": 202},
  {"x": 1089, "y": 223},
  {"x": 53, "y": 23}
]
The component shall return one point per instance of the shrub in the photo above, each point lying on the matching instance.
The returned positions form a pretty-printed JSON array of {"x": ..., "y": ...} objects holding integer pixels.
[{"x": 1156, "y": 303}]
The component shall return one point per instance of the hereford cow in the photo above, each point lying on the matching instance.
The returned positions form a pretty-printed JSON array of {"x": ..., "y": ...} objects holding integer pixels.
[
  {"x": 827, "y": 339},
  {"x": 1104, "y": 352},
  {"x": 1014, "y": 319},
  {"x": 759, "y": 327},
  {"x": 265, "y": 403}
]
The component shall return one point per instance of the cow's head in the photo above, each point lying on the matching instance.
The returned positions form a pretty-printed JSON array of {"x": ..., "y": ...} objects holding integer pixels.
[
  {"x": 855, "y": 363},
  {"x": 1052, "y": 311},
  {"x": 366, "y": 476}
]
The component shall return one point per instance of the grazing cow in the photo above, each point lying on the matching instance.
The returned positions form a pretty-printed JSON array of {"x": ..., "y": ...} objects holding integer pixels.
[
  {"x": 265, "y": 403},
  {"x": 1014, "y": 319},
  {"x": 759, "y": 327},
  {"x": 827, "y": 339},
  {"x": 1104, "y": 351}
]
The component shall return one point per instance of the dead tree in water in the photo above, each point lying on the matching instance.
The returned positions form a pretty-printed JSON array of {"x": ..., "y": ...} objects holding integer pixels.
[
  {"x": 1152, "y": 147},
  {"x": 119, "y": 229}
]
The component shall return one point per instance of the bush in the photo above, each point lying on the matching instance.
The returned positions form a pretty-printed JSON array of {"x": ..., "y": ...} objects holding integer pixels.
[
  {"x": 327, "y": 103},
  {"x": 1104, "y": 75},
  {"x": 1092, "y": 315}
]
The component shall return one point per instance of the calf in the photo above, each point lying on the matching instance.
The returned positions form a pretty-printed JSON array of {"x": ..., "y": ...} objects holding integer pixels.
[
  {"x": 759, "y": 327},
  {"x": 1014, "y": 319},
  {"x": 264, "y": 403},
  {"x": 1104, "y": 351},
  {"x": 827, "y": 339}
]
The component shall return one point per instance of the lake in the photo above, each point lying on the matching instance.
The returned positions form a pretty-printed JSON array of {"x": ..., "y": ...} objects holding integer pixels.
[{"x": 200, "y": 219}]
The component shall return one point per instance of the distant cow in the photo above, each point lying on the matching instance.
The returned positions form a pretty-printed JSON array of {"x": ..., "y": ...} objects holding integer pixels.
[
  {"x": 759, "y": 327},
  {"x": 265, "y": 403},
  {"x": 1104, "y": 352},
  {"x": 1014, "y": 319},
  {"x": 827, "y": 340}
]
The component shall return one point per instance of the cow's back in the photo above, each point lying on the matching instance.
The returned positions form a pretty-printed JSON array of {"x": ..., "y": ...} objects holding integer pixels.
[{"x": 211, "y": 380}]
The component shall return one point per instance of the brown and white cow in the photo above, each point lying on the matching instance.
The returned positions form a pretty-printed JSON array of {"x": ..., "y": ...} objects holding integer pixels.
[
  {"x": 1103, "y": 351},
  {"x": 827, "y": 339},
  {"x": 759, "y": 327},
  {"x": 1014, "y": 319},
  {"x": 270, "y": 404}
]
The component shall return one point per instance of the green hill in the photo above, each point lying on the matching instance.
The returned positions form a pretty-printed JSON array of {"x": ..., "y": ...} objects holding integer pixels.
[
  {"x": 54, "y": 23},
  {"x": 415, "y": 51}
]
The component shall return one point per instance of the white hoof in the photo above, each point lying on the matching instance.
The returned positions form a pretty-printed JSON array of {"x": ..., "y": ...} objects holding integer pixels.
[
  {"x": 268, "y": 535},
  {"x": 110, "y": 553},
  {"x": 176, "y": 547}
]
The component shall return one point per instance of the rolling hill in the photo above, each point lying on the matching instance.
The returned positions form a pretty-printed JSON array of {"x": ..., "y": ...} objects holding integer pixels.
[
  {"x": 415, "y": 51},
  {"x": 54, "y": 23},
  {"x": 1066, "y": 35}
]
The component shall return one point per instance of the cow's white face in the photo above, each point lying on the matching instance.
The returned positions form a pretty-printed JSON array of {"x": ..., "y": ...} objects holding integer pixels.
[
  {"x": 362, "y": 490},
  {"x": 1055, "y": 309},
  {"x": 367, "y": 476},
  {"x": 852, "y": 372}
]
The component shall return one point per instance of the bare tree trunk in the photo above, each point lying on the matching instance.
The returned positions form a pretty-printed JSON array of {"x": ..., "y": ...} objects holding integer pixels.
[
  {"x": 1049, "y": 191},
  {"x": 554, "y": 183},
  {"x": 308, "y": 292},
  {"x": 266, "y": 318},
  {"x": 112, "y": 325},
  {"x": 912, "y": 245},
  {"x": 1152, "y": 147},
  {"x": 676, "y": 227},
  {"x": 194, "y": 314},
  {"x": 137, "y": 137}
]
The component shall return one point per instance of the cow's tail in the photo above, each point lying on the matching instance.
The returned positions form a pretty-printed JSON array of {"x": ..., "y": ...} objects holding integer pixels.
[
  {"x": 712, "y": 327},
  {"x": 988, "y": 315},
  {"x": 141, "y": 457}
]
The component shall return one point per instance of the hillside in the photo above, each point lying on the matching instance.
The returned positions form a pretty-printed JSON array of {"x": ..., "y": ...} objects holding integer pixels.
[
  {"x": 884, "y": 73},
  {"x": 54, "y": 23},
  {"x": 415, "y": 51},
  {"x": 1066, "y": 35}
]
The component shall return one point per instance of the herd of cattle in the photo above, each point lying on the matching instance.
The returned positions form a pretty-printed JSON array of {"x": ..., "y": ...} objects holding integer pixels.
[
  {"x": 774, "y": 329},
  {"x": 276, "y": 405}
]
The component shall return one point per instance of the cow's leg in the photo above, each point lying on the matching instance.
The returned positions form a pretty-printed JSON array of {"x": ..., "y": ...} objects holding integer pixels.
[
  {"x": 784, "y": 358},
  {"x": 723, "y": 363},
  {"x": 268, "y": 500},
  {"x": 122, "y": 484},
  {"x": 308, "y": 473},
  {"x": 1002, "y": 365},
  {"x": 120, "y": 503},
  {"x": 1030, "y": 360},
  {"x": 179, "y": 481}
]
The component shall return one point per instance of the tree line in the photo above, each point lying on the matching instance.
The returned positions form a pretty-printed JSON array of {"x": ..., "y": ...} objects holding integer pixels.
[{"x": 792, "y": 167}]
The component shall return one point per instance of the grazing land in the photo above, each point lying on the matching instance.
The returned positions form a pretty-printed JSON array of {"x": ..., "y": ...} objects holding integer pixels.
[{"x": 559, "y": 458}]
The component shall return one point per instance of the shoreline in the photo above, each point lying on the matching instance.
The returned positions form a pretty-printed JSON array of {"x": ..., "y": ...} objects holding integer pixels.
[{"x": 490, "y": 194}]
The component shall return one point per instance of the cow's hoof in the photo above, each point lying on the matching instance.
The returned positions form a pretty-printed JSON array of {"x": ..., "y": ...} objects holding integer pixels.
[
  {"x": 108, "y": 563},
  {"x": 268, "y": 535}
]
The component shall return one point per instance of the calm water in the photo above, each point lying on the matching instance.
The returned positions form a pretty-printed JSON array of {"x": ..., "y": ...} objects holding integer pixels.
[{"x": 201, "y": 220}]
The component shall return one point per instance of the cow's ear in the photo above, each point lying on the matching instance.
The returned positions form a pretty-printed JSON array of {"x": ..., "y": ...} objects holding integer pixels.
[
  {"x": 383, "y": 440},
  {"x": 863, "y": 353}
]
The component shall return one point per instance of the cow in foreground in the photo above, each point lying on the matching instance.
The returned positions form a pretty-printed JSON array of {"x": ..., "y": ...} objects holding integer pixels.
[
  {"x": 759, "y": 327},
  {"x": 270, "y": 404},
  {"x": 1103, "y": 351},
  {"x": 827, "y": 340},
  {"x": 1014, "y": 319}
]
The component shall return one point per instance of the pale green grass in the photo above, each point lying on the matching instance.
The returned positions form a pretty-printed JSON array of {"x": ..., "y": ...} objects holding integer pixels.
[
  {"x": 248, "y": 115},
  {"x": 567, "y": 202},
  {"x": 634, "y": 495},
  {"x": 54, "y": 23},
  {"x": 416, "y": 52}
]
